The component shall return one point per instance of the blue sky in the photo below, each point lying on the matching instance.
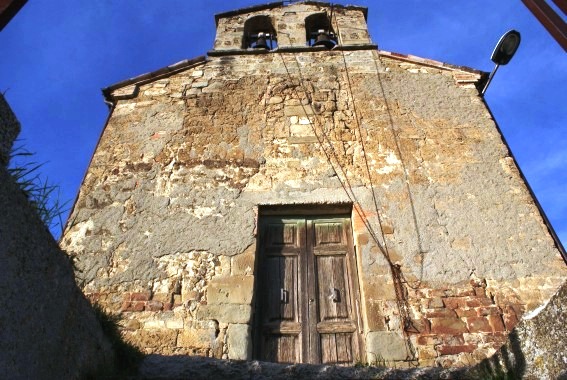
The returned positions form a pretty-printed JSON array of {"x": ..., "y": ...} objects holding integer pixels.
[{"x": 56, "y": 56}]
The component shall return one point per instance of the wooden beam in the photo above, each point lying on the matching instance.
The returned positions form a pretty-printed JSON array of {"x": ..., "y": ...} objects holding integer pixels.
[
  {"x": 561, "y": 4},
  {"x": 549, "y": 19}
]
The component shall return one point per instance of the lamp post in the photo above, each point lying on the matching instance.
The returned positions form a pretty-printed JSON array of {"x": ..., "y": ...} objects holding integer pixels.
[{"x": 503, "y": 53}]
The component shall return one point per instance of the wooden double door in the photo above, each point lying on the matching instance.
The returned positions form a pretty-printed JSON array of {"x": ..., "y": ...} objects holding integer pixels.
[{"x": 307, "y": 308}]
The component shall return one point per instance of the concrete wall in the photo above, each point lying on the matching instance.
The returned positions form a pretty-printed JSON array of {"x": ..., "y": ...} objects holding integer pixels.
[
  {"x": 165, "y": 220},
  {"x": 48, "y": 330}
]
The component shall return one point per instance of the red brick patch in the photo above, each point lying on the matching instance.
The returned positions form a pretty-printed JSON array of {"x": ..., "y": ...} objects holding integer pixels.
[
  {"x": 448, "y": 326},
  {"x": 142, "y": 296},
  {"x": 452, "y": 340},
  {"x": 454, "y": 302},
  {"x": 490, "y": 310},
  {"x": 480, "y": 292},
  {"x": 465, "y": 293},
  {"x": 441, "y": 293},
  {"x": 496, "y": 323},
  {"x": 421, "y": 326},
  {"x": 435, "y": 303},
  {"x": 440, "y": 313},
  {"x": 510, "y": 321},
  {"x": 454, "y": 350},
  {"x": 477, "y": 302},
  {"x": 466, "y": 313},
  {"x": 154, "y": 306},
  {"x": 478, "y": 324},
  {"x": 427, "y": 340},
  {"x": 132, "y": 306}
]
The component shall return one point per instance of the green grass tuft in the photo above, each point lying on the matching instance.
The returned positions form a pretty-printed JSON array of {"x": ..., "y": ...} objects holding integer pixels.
[{"x": 43, "y": 196}]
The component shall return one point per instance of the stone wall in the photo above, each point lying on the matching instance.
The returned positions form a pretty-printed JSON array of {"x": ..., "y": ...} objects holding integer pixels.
[
  {"x": 348, "y": 22},
  {"x": 450, "y": 255},
  {"x": 48, "y": 330}
]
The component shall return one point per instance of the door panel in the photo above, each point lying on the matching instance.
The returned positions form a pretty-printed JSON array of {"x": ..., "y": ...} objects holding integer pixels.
[
  {"x": 280, "y": 315},
  {"x": 281, "y": 299},
  {"x": 336, "y": 349},
  {"x": 281, "y": 348},
  {"x": 306, "y": 297},
  {"x": 332, "y": 289}
]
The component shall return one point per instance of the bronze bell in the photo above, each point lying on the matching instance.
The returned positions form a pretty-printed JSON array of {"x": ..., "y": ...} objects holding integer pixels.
[
  {"x": 261, "y": 41},
  {"x": 324, "y": 39}
]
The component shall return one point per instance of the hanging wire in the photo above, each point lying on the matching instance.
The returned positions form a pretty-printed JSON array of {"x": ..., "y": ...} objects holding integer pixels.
[
  {"x": 322, "y": 138},
  {"x": 397, "y": 275}
]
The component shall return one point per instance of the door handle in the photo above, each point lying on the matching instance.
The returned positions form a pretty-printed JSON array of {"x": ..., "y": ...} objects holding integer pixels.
[
  {"x": 284, "y": 296},
  {"x": 335, "y": 295}
]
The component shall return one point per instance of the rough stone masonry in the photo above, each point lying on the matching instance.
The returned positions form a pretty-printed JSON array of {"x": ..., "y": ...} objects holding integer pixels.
[{"x": 450, "y": 248}]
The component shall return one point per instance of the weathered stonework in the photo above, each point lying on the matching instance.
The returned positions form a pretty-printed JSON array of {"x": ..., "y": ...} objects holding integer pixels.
[{"x": 451, "y": 249}]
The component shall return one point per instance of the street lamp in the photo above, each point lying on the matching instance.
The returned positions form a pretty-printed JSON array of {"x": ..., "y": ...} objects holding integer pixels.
[{"x": 503, "y": 53}]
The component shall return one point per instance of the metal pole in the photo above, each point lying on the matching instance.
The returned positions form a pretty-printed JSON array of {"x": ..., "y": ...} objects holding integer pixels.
[{"x": 489, "y": 79}]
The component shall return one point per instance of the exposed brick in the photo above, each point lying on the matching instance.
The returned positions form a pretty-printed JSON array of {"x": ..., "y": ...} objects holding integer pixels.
[
  {"x": 510, "y": 321},
  {"x": 480, "y": 292},
  {"x": 435, "y": 303},
  {"x": 141, "y": 296},
  {"x": 154, "y": 306},
  {"x": 466, "y": 313},
  {"x": 454, "y": 350},
  {"x": 427, "y": 340},
  {"x": 490, "y": 310},
  {"x": 478, "y": 324},
  {"x": 448, "y": 326},
  {"x": 496, "y": 323},
  {"x": 421, "y": 326},
  {"x": 451, "y": 339},
  {"x": 464, "y": 293},
  {"x": 477, "y": 302},
  {"x": 167, "y": 306},
  {"x": 441, "y": 293},
  {"x": 133, "y": 306},
  {"x": 440, "y": 313},
  {"x": 454, "y": 302}
]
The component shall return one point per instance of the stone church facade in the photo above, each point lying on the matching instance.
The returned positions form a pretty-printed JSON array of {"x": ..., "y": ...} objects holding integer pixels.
[{"x": 298, "y": 195}]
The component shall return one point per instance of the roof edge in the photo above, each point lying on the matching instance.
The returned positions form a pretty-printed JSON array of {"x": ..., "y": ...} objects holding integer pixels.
[
  {"x": 260, "y": 7},
  {"x": 430, "y": 62},
  {"x": 164, "y": 71},
  {"x": 253, "y": 8},
  {"x": 187, "y": 63}
]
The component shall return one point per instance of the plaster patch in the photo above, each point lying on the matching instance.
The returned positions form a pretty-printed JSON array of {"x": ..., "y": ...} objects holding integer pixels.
[{"x": 80, "y": 234}]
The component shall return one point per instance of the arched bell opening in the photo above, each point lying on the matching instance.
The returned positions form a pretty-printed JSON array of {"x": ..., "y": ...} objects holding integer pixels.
[
  {"x": 259, "y": 33},
  {"x": 319, "y": 31}
]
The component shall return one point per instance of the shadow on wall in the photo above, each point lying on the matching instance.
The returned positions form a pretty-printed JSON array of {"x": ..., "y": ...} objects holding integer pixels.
[
  {"x": 508, "y": 363},
  {"x": 196, "y": 368},
  {"x": 49, "y": 330},
  {"x": 536, "y": 348}
]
